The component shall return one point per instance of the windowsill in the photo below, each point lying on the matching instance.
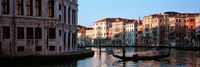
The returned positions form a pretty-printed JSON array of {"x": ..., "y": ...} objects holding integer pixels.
[
  {"x": 38, "y": 39},
  {"x": 5, "y": 39},
  {"x": 29, "y": 39},
  {"x": 5, "y": 14},
  {"x": 24, "y": 16},
  {"x": 20, "y": 51},
  {"x": 51, "y": 39},
  {"x": 52, "y": 51},
  {"x": 20, "y": 39}
]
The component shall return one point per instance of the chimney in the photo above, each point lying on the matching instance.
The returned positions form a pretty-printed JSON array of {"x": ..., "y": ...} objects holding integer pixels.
[
  {"x": 138, "y": 21},
  {"x": 138, "y": 18},
  {"x": 186, "y": 14}
]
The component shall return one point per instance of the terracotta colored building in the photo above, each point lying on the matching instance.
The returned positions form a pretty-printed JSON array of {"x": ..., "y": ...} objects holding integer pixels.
[
  {"x": 139, "y": 39},
  {"x": 182, "y": 27},
  {"x": 154, "y": 30},
  {"x": 89, "y": 36}
]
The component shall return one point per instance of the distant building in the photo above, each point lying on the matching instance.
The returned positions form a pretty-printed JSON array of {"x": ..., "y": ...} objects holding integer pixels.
[
  {"x": 84, "y": 36},
  {"x": 182, "y": 27},
  {"x": 118, "y": 31},
  {"x": 100, "y": 30},
  {"x": 198, "y": 30},
  {"x": 170, "y": 27},
  {"x": 131, "y": 33},
  {"x": 154, "y": 30},
  {"x": 198, "y": 24},
  {"x": 81, "y": 35},
  {"x": 139, "y": 41},
  {"x": 111, "y": 31},
  {"x": 101, "y": 27},
  {"x": 89, "y": 33},
  {"x": 89, "y": 36},
  {"x": 37, "y": 27}
]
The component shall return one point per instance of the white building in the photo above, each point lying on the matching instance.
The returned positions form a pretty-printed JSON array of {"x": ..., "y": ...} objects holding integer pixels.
[
  {"x": 111, "y": 31},
  {"x": 198, "y": 24},
  {"x": 100, "y": 30},
  {"x": 37, "y": 27},
  {"x": 131, "y": 33}
]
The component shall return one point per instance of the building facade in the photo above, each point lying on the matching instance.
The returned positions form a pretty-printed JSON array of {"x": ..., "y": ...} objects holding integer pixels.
[
  {"x": 89, "y": 36},
  {"x": 182, "y": 27},
  {"x": 81, "y": 35},
  {"x": 118, "y": 31},
  {"x": 139, "y": 34},
  {"x": 171, "y": 27},
  {"x": 198, "y": 30},
  {"x": 198, "y": 24},
  {"x": 37, "y": 27},
  {"x": 154, "y": 30},
  {"x": 101, "y": 30},
  {"x": 131, "y": 33},
  {"x": 111, "y": 31}
]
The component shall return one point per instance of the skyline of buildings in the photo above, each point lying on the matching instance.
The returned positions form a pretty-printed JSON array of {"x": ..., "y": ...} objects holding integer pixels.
[
  {"x": 153, "y": 30},
  {"x": 131, "y": 8}
]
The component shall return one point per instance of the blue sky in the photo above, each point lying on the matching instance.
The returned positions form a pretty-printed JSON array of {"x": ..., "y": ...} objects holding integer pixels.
[{"x": 94, "y": 10}]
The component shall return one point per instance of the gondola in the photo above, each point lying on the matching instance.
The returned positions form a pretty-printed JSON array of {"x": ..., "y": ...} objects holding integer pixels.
[{"x": 136, "y": 57}]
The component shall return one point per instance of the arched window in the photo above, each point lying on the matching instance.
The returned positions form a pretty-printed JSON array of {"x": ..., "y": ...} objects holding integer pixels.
[
  {"x": 51, "y": 8},
  {"x": 5, "y": 6}
]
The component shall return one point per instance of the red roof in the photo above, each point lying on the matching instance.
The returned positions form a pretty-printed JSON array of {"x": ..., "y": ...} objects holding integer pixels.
[
  {"x": 114, "y": 20},
  {"x": 89, "y": 29}
]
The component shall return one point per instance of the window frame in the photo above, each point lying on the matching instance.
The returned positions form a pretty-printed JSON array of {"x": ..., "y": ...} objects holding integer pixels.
[
  {"x": 6, "y": 32},
  {"x": 5, "y": 3},
  {"x": 52, "y": 33},
  {"x": 20, "y": 49},
  {"x": 38, "y": 7},
  {"x": 20, "y": 32},
  {"x": 29, "y": 7},
  {"x": 52, "y": 48},
  {"x": 38, "y": 48},
  {"x": 20, "y": 8},
  {"x": 29, "y": 30},
  {"x": 51, "y": 8},
  {"x": 38, "y": 33}
]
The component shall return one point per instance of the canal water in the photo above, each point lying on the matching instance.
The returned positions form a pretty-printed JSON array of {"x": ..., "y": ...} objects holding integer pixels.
[{"x": 103, "y": 58}]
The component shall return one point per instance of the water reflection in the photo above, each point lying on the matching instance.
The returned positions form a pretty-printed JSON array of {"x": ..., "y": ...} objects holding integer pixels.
[
  {"x": 63, "y": 64},
  {"x": 177, "y": 58},
  {"x": 102, "y": 58},
  {"x": 151, "y": 63}
]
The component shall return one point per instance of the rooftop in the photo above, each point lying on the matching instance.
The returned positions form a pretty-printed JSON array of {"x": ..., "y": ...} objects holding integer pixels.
[{"x": 115, "y": 20}]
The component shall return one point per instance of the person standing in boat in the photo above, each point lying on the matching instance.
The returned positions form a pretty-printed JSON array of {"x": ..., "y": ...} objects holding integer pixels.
[{"x": 123, "y": 50}]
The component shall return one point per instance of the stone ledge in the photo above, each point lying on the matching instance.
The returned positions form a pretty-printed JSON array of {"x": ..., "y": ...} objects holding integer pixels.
[{"x": 48, "y": 58}]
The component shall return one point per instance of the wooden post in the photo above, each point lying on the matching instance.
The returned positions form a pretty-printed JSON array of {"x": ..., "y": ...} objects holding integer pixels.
[{"x": 123, "y": 50}]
